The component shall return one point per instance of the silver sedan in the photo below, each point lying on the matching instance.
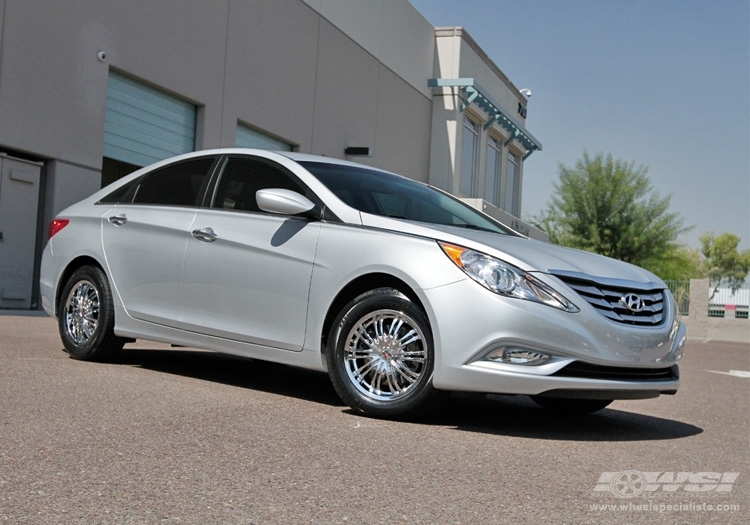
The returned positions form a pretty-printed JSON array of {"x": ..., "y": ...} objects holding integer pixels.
[{"x": 398, "y": 290}]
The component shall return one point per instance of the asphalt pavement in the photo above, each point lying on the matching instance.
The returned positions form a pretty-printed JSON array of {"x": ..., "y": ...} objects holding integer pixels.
[{"x": 169, "y": 435}]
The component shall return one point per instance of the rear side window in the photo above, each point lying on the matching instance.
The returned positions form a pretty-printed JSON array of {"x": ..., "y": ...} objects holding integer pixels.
[
  {"x": 179, "y": 184},
  {"x": 122, "y": 194}
]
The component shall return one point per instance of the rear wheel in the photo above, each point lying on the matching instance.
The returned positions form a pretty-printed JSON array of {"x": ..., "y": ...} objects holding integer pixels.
[
  {"x": 86, "y": 317},
  {"x": 380, "y": 356},
  {"x": 571, "y": 406}
]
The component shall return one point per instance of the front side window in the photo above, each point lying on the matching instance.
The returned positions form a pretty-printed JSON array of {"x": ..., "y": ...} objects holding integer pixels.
[
  {"x": 470, "y": 158},
  {"x": 244, "y": 176}
]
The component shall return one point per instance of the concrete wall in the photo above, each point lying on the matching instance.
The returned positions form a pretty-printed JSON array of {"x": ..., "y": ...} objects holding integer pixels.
[
  {"x": 279, "y": 66},
  {"x": 321, "y": 75},
  {"x": 701, "y": 326},
  {"x": 459, "y": 56},
  {"x": 392, "y": 31}
]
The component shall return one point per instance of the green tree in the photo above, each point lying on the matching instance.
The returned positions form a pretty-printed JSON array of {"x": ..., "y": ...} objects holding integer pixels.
[
  {"x": 681, "y": 264},
  {"x": 724, "y": 263},
  {"x": 608, "y": 206}
]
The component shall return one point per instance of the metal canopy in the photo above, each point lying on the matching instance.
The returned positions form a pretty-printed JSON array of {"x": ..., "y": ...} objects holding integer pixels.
[{"x": 475, "y": 94}]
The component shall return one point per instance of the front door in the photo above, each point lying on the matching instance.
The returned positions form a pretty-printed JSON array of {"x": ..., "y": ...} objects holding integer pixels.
[{"x": 247, "y": 272}]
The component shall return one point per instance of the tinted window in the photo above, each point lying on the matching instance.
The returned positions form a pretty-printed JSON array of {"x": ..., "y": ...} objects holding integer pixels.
[
  {"x": 122, "y": 194},
  {"x": 243, "y": 177},
  {"x": 389, "y": 195},
  {"x": 176, "y": 185}
]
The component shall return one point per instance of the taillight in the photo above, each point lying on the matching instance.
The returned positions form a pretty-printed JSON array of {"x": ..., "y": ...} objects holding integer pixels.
[{"x": 55, "y": 226}]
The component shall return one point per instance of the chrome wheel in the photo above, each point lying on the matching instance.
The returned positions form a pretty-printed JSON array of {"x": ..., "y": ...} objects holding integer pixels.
[
  {"x": 385, "y": 355},
  {"x": 380, "y": 356},
  {"x": 86, "y": 318},
  {"x": 82, "y": 312}
]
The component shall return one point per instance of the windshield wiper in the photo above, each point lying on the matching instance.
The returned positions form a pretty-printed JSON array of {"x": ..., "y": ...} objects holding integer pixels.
[{"x": 474, "y": 227}]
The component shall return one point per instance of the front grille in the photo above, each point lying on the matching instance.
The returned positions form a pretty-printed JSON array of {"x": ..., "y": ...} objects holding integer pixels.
[
  {"x": 617, "y": 373},
  {"x": 610, "y": 300}
]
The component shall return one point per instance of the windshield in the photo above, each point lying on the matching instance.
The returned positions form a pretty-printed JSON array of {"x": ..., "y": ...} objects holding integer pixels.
[{"x": 389, "y": 195}]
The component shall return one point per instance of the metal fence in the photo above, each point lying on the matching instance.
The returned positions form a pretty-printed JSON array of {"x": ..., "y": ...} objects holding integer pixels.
[
  {"x": 681, "y": 292},
  {"x": 726, "y": 300}
]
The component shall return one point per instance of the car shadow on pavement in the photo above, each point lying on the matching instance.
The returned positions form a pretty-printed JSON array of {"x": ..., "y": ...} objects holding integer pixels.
[
  {"x": 492, "y": 414},
  {"x": 236, "y": 371},
  {"x": 519, "y": 416}
]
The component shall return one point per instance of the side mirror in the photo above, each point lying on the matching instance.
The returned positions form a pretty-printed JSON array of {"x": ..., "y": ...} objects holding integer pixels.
[{"x": 286, "y": 202}]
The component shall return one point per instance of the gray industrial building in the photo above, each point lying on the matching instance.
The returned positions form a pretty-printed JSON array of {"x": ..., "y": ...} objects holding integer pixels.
[{"x": 92, "y": 89}]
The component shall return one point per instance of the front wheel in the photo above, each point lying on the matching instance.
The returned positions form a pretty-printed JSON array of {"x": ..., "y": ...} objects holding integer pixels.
[
  {"x": 380, "y": 356},
  {"x": 86, "y": 316}
]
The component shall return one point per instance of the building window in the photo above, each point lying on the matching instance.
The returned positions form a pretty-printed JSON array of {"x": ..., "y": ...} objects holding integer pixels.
[
  {"x": 492, "y": 176},
  {"x": 470, "y": 159},
  {"x": 512, "y": 184}
]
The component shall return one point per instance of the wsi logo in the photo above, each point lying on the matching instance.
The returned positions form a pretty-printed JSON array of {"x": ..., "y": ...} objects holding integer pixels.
[{"x": 632, "y": 483}]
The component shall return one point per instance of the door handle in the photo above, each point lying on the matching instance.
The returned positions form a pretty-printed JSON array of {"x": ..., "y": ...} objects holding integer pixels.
[
  {"x": 118, "y": 220},
  {"x": 205, "y": 235}
]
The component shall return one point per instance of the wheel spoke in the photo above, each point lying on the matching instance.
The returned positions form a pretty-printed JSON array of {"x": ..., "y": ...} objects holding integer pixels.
[
  {"x": 82, "y": 312},
  {"x": 393, "y": 382},
  {"x": 396, "y": 325},
  {"x": 365, "y": 337},
  {"x": 407, "y": 373},
  {"x": 385, "y": 356},
  {"x": 409, "y": 338},
  {"x": 366, "y": 368}
]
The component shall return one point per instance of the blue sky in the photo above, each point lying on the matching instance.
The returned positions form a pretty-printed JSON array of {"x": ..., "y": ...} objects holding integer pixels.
[{"x": 663, "y": 83}]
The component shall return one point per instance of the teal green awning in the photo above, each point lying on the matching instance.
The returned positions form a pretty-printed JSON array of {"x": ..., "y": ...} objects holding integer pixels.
[{"x": 477, "y": 95}]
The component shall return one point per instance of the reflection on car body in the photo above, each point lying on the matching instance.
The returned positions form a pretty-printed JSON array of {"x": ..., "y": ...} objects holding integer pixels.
[{"x": 398, "y": 290}]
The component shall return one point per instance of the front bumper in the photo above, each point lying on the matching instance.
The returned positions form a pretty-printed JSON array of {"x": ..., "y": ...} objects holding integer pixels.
[{"x": 589, "y": 355}]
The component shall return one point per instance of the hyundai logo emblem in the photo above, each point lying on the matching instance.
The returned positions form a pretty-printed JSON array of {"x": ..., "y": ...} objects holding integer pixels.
[{"x": 633, "y": 302}]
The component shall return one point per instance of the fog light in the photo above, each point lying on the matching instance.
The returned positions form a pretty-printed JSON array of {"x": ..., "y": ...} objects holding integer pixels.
[{"x": 517, "y": 356}]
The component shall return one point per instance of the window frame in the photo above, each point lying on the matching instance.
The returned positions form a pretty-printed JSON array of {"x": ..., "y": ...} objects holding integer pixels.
[
  {"x": 213, "y": 191},
  {"x": 515, "y": 159},
  {"x": 471, "y": 125},
  {"x": 128, "y": 192},
  {"x": 494, "y": 173}
]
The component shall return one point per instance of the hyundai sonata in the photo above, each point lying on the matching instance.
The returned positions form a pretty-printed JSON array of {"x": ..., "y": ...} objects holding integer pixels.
[{"x": 396, "y": 289}]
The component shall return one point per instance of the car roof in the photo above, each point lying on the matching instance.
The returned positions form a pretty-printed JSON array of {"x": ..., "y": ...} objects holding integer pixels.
[{"x": 292, "y": 155}]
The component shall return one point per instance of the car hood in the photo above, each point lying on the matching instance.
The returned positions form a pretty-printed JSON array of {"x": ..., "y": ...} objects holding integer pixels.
[{"x": 527, "y": 254}]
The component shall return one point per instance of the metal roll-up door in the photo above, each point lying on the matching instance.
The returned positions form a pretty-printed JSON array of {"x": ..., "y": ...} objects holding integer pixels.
[
  {"x": 143, "y": 124},
  {"x": 250, "y": 138}
]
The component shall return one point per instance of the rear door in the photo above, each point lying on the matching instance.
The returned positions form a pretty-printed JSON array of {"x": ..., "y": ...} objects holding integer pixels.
[
  {"x": 247, "y": 272},
  {"x": 145, "y": 239}
]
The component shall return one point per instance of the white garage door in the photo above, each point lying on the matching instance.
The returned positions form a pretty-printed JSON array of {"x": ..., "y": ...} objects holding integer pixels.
[
  {"x": 143, "y": 124},
  {"x": 250, "y": 138}
]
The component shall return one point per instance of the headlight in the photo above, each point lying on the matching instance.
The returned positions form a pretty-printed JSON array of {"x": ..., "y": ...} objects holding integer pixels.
[{"x": 505, "y": 279}]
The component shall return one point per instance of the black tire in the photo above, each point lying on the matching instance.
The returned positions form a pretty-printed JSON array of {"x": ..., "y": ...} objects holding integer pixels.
[
  {"x": 380, "y": 356},
  {"x": 566, "y": 405},
  {"x": 86, "y": 317}
]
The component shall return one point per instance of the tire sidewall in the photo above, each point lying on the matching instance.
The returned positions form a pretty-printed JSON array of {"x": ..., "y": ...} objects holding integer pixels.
[
  {"x": 416, "y": 401},
  {"x": 100, "y": 346}
]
